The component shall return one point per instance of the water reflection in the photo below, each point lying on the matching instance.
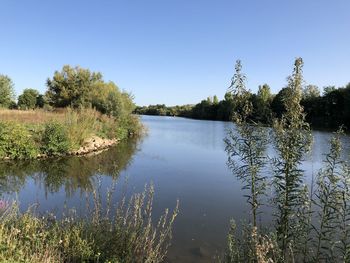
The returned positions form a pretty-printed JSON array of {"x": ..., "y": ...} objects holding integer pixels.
[
  {"x": 72, "y": 173},
  {"x": 185, "y": 159}
]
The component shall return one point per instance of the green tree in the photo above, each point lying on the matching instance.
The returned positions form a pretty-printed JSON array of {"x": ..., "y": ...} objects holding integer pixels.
[
  {"x": 73, "y": 87},
  {"x": 28, "y": 99},
  {"x": 310, "y": 92},
  {"x": 262, "y": 104},
  {"x": 278, "y": 102},
  {"x": 264, "y": 93},
  {"x": 215, "y": 99},
  {"x": 328, "y": 89},
  {"x": 7, "y": 93},
  {"x": 41, "y": 101}
]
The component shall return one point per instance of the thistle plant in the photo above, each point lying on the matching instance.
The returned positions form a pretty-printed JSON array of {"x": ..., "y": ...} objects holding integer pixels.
[{"x": 292, "y": 139}]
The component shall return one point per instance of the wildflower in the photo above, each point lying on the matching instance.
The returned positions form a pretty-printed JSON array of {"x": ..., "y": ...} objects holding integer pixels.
[{"x": 3, "y": 204}]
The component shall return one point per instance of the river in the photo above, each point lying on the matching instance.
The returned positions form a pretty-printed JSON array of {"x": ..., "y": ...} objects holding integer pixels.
[{"x": 184, "y": 159}]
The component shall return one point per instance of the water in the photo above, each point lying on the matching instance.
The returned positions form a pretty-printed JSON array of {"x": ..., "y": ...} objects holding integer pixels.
[{"x": 185, "y": 160}]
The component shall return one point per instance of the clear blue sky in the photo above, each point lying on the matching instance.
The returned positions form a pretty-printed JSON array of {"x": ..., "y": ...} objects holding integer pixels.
[{"x": 176, "y": 51}]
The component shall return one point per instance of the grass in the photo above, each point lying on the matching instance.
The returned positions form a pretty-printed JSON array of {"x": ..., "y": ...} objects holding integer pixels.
[
  {"x": 31, "y": 116},
  {"x": 122, "y": 233},
  {"x": 58, "y": 132}
]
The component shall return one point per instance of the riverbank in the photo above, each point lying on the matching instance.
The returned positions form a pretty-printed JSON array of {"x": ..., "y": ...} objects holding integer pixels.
[{"x": 42, "y": 134}]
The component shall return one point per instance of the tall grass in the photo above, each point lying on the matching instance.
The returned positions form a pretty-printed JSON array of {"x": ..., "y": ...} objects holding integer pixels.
[
  {"x": 122, "y": 233},
  {"x": 81, "y": 125}
]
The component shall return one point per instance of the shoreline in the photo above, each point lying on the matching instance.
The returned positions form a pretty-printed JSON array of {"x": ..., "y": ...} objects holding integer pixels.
[{"x": 92, "y": 146}]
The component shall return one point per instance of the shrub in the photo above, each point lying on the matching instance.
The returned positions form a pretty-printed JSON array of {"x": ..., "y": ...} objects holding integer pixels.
[
  {"x": 16, "y": 142},
  {"x": 55, "y": 139}
]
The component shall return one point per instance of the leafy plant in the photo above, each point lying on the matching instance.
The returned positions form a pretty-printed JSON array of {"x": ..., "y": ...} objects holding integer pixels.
[
  {"x": 16, "y": 142},
  {"x": 55, "y": 139},
  {"x": 292, "y": 139},
  {"x": 331, "y": 203},
  {"x": 246, "y": 146}
]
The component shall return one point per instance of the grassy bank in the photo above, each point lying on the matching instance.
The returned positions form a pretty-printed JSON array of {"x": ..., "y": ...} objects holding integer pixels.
[
  {"x": 31, "y": 134},
  {"x": 125, "y": 233}
]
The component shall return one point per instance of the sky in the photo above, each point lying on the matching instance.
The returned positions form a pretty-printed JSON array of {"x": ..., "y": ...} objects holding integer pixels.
[{"x": 176, "y": 51}]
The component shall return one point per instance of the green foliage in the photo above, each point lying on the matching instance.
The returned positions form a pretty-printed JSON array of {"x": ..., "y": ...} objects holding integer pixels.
[
  {"x": 246, "y": 146},
  {"x": 126, "y": 233},
  {"x": 278, "y": 102},
  {"x": 332, "y": 199},
  {"x": 80, "y": 88},
  {"x": 29, "y": 99},
  {"x": 7, "y": 93},
  {"x": 311, "y": 92},
  {"x": 343, "y": 218},
  {"x": 311, "y": 226},
  {"x": 41, "y": 101},
  {"x": 16, "y": 142},
  {"x": 72, "y": 87},
  {"x": 292, "y": 139},
  {"x": 55, "y": 140},
  {"x": 328, "y": 111},
  {"x": 262, "y": 111}
]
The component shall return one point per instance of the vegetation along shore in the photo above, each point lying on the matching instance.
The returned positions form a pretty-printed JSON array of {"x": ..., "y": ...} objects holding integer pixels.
[
  {"x": 326, "y": 110},
  {"x": 80, "y": 113}
]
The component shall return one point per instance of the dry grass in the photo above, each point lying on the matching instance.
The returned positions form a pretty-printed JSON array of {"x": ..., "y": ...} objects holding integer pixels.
[{"x": 31, "y": 116}]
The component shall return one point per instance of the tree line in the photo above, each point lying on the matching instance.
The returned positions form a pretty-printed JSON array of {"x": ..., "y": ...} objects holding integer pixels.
[
  {"x": 73, "y": 87},
  {"x": 327, "y": 110}
]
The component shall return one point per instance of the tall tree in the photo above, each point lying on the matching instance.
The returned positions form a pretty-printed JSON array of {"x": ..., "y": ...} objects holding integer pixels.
[
  {"x": 73, "y": 86},
  {"x": 7, "y": 93}
]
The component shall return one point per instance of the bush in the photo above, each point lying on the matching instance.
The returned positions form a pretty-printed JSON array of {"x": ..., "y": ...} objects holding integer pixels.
[
  {"x": 55, "y": 139},
  {"x": 16, "y": 142}
]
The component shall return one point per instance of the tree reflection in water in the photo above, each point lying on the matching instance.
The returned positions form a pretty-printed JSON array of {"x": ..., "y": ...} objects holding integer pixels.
[{"x": 73, "y": 173}]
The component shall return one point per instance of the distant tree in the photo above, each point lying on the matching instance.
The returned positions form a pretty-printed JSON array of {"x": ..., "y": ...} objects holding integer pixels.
[
  {"x": 41, "y": 101},
  {"x": 215, "y": 99},
  {"x": 310, "y": 92},
  {"x": 28, "y": 99},
  {"x": 264, "y": 93},
  {"x": 278, "y": 102},
  {"x": 328, "y": 89},
  {"x": 7, "y": 93},
  {"x": 262, "y": 104}
]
